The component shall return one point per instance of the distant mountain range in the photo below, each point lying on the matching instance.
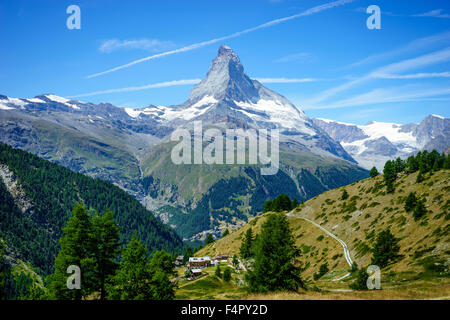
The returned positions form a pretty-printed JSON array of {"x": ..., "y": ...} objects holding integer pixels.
[
  {"x": 132, "y": 147},
  {"x": 376, "y": 142}
]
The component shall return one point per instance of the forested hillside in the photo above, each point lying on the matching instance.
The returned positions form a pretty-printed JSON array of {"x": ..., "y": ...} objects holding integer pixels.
[{"x": 44, "y": 195}]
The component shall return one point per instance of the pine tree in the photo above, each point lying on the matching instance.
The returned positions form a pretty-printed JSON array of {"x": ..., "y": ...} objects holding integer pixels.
[
  {"x": 420, "y": 177},
  {"x": 275, "y": 266},
  {"x": 419, "y": 210},
  {"x": 344, "y": 194},
  {"x": 294, "y": 203},
  {"x": 187, "y": 254},
  {"x": 76, "y": 249},
  {"x": 361, "y": 280},
  {"x": 2, "y": 270},
  {"x": 374, "y": 172},
  {"x": 246, "y": 250},
  {"x": 389, "y": 176},
  {"x": 268, "y": 206},
  {"x": 209, "y": 239},
  {"x": 410, "y": 201},
  {"x": 105, "y": 234},
  {"x": 386, "y": 249},
  {"x": 164, "y": 262},
  {"x": 218, "y": 272},
  {"x": 227, "y": 275},
  {"x": 133, "y": 280},
  {"x": 235, "y": 261},
  {"x": 225, "y": 233}
]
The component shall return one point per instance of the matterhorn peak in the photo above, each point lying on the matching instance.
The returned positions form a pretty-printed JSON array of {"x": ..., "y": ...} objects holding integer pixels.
[{"x": 225, "y": 79}]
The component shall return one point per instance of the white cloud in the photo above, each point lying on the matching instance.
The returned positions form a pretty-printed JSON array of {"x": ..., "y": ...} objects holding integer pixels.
[
  {"x": 433, "y": 13},
  {"x": 441, "y": 39},
  {"x": 194, "y": 46},
  {"x": 381, "y": 95},
  {"x": 405, "y": 65},
  {"x": 111, "y": 45},
  {"x": 422, "y": 75},
  {"x": 138, "y": 88}
]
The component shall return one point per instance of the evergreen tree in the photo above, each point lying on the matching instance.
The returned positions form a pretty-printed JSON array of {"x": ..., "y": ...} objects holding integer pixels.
[
  {"x": 187, "y": 254},
  {"x": 281, "y": 203},
  {"x": 420, "y": 177},
  {"x": 344, "y": 194},
  {"x": 246, "y": 250},
  {"x": 322, "y": 271},
  {"x": 399, "y": 165},
  {"x": 235, "y": 261},
  {"x": 164, "y": 262},
  {"x": 225, "y": 233},
  {"x": 275, "y": 266},
  {"x": 389, "y": 176},
  {"x": 419, "y": 210},
  {"x": 374, "y": 172},
  {"x": 76, "y": 249},
  {"x": 218, "y": 272},
  {"x": 105, "y": 235},
  {"x": 2, "y": 270},
  {"x": 361, "y": 280},
  {"x": 446, "y": 164},
  {"x": 133, "y": 280},
  {"x": 209, "y": 239},
  {"x": 413, "y": 164},
  {"x": 162, "y": 287},
  {"x": 386, "y": 249},
  {"x": 268, "y": 206},
  {"x": 294, "y": 203},
  {"x": 410, "y": 201},
  {"x": 227, "y": 275}
]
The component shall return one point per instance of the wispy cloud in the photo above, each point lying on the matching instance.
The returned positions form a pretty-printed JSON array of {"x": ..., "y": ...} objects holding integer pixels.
[
  {"x": 153, "y": 45},
  {"x": 381, "y": 95},
  {"x": 139, "y": 88},
  {"x": 429, "y": 42},
  {"x": 398, "y": 67},
  {"x": 298, "y": 57},
  {"x": 194, "y": 46},
  {"x": 422, "y": 75},
  {"x": 183, "y": 83},
  {"x": 433, "y": 13}
]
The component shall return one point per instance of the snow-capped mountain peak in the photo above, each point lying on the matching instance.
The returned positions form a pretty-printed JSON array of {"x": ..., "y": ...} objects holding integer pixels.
[{"x": 376, "y": 142}]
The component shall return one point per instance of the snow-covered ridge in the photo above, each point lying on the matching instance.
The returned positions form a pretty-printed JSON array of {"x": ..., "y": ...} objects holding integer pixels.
[
  {"x": 172, "y": 113},
  {"x": 14, "y": 103},
  {"x": 392, "y": 131}
]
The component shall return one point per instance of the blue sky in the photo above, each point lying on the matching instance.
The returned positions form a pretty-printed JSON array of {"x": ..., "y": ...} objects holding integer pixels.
[{"x": 325, "y": 60}]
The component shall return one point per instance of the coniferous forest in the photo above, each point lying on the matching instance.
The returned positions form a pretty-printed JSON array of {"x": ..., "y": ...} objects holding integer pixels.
[{"x": 48, "y": 194}]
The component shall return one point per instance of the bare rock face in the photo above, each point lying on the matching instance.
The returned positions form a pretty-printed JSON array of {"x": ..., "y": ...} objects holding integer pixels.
[{"x": 15, "y": 189}]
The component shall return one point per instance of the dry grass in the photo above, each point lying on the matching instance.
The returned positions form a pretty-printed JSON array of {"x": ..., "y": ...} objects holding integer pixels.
[{"x": 375, "y": 211}]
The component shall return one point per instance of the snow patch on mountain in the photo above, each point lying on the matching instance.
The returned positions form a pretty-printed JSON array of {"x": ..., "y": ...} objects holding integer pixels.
[{"x": 285, "y": 116}]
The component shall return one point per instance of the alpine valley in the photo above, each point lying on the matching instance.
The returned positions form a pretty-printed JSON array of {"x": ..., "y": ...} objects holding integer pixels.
[{"x": 132, "y": 147}]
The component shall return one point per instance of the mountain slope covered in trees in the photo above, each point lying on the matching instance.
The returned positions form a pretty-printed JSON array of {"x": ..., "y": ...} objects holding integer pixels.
[{"x": 37, "y": 201}]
